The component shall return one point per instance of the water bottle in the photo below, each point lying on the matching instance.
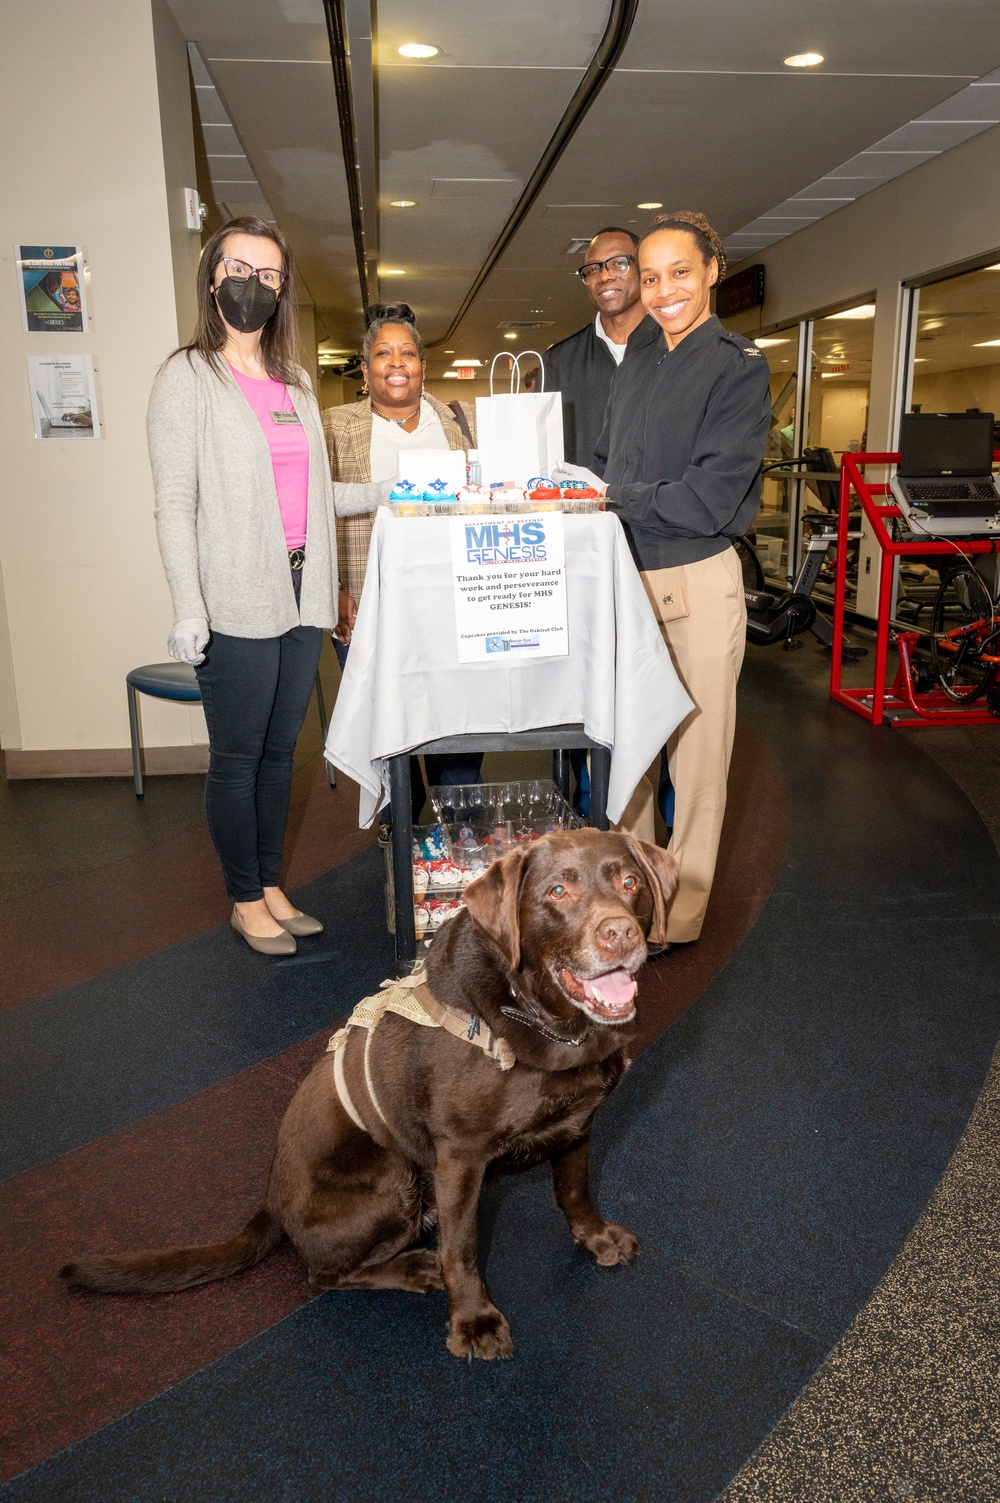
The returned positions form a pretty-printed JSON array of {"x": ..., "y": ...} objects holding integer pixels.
[{"x": 473, "y": 469}]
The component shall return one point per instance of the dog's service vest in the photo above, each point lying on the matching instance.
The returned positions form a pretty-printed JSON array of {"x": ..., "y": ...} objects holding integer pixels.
[{"x": 413, "y": 999}]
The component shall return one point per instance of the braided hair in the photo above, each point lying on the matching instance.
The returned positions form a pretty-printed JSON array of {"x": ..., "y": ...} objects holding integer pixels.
[
  {"x": 697, "y": 225},
  {"x": 377, "y": 315}
]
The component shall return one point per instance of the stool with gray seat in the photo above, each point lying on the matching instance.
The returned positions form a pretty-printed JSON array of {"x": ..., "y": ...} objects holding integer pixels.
[{"x": 179, "y": 682}]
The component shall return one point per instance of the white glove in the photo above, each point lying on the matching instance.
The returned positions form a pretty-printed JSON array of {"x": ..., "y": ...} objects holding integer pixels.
[
  {"x": 564, "y": 472},
  {"x": 187, "y": 639}
]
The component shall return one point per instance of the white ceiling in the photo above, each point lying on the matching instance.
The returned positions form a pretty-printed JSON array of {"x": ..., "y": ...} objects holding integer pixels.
[{"x": 700, "y": 113}]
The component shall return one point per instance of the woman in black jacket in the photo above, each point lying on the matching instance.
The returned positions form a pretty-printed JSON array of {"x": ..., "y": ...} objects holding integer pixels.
[{"x": 681, "y": 454}]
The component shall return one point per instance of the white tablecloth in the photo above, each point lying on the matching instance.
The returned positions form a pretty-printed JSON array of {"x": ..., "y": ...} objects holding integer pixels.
[{"x": 403, "y": 685}]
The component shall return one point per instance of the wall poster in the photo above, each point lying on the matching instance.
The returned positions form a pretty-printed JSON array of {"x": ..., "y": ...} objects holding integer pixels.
[
  {"x": 53, "y": 289},
  {"x": 63, "y": 396}
]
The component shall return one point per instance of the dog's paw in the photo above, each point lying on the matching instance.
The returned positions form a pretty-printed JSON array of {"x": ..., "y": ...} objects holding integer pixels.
[
  {"x": 422, "y": 1270},
  {"x": 486, "y": 1335},
  {"x": 612, "y": 1244}
]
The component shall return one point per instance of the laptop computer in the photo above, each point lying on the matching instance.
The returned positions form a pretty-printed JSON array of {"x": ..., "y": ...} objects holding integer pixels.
[{"x": 944, "y": 483}]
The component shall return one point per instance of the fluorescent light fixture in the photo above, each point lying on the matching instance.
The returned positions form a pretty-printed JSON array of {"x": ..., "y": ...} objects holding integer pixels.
[
  {"x": 986, "y": 344},
  {"x": 766, "y": 344},
  {"x": 863, "y": 310},
  {"x": 830, "y": 375},
  {"x": 933, "y": 323},
  {"x": 418, "y": 49},
  {"x": 920, "y": 360},
  {"x": 992, "y": 268},
  {"x": 803, "y": 60},
  {"x": 391, "y": 271},
  {"x": 449, "y": 352},
  {"x": 649, "y": 206},
  {"x": 450, "y": 376},
  {"x": 466, "y": 362},
  {"x": 403, "y": 203},
  {"x": 510, "y": 336}
]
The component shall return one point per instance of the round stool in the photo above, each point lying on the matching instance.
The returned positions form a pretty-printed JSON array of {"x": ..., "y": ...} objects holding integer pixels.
[{"x": 176, "y": 681}]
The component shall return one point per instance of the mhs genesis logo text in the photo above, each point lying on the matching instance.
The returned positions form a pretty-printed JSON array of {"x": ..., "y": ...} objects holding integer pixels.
[{"x": 505, "y": 542}]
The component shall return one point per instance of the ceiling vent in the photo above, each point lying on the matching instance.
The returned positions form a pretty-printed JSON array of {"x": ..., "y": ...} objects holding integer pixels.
[
  {"x": 578, "y": 246},
  {"x": 526, "y": 323}
]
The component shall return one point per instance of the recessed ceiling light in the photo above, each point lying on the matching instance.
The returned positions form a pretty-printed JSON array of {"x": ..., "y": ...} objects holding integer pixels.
[
  {"x": 403, "y": 203},
  {"x": 765, "y": 344},
  {"x": 418, "y": 49},
  {"x": 830, "y": 375},
  {"x": 510, "y": 336},
  {"x": 986, "y": 344},
  {"x": 803, "y": 60},
  {"x": 449, "y": 352},
  {"x": 537, "y": 310},
  {"x": 863, "y": 310},
  {"x": 992, "y": 268},
  {"x": 920, "y": 360},
  {"x": 932, "y": 323},
  {"x": 391, "y": 271},
  {"x": 466, "y": 362},
  {"x": 450, "y": 376},
  {"x": 649, "y": 206}
]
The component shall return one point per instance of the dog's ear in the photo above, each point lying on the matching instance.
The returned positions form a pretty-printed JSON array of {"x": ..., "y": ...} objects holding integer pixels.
[
  {"x": 660, "y": 870},
  {"x": 492, "y": 901}
]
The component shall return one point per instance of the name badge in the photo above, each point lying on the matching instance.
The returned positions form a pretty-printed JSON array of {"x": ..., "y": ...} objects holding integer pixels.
[{"x": 284, "y": 417}]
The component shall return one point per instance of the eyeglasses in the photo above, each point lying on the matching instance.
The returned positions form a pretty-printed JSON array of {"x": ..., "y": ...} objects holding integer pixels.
[
  {"x": 617, "y": 264},
  {"x": 266, "y": 275}
]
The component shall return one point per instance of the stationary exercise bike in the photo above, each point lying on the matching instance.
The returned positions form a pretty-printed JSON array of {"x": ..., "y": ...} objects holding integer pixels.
[{"x": 784, "y": 617}]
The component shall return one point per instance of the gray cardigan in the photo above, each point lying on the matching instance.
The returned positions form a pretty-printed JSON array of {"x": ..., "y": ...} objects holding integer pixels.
[{"x": 217, "y": 516}]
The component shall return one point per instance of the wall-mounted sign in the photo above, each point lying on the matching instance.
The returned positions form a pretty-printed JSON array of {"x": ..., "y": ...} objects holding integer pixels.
[
  {"x": 466, "y": 372},
  {"x": 63, "y": 396},
  {"x": 510, "y": 587},
  {"x": 738, "y": 293},
  {"x": 52, "y": 287}
]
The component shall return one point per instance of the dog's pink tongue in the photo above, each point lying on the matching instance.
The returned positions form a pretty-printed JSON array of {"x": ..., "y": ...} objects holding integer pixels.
[{"x": 616, "y": 990}]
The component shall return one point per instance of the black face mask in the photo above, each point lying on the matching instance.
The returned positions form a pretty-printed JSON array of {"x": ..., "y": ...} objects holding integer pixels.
[{"x": 245, "y": 304}]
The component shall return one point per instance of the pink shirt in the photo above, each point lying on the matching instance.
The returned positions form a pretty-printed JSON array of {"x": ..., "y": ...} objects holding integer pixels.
[{"x": 289, "y": 448}]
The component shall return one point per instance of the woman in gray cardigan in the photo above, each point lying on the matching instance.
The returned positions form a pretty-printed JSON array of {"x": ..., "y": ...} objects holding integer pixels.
[{"x": 245, "y": 521}]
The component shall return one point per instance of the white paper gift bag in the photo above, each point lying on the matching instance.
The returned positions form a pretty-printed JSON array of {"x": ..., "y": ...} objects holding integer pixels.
[{"x": 519, "y": 433}]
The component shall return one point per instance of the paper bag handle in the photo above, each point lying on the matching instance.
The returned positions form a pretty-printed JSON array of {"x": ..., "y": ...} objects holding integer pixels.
[{"x": 515, "y": 368}]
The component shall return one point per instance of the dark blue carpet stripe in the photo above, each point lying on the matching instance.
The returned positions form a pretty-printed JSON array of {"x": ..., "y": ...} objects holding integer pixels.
[
  {"x": 772, "y": 1150},
  {"x": 94, "y": 1058}
]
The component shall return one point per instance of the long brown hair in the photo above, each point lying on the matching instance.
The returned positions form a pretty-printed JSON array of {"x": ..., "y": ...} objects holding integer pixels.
[{"x": 279, "y": 344}]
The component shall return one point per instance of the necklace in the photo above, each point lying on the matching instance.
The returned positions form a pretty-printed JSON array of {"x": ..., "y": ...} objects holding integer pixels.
[{"x": 398, "y": 421}]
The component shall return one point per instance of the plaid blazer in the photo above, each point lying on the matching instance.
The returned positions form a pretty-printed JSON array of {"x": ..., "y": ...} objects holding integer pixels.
[{"x": 348, "y": 432}]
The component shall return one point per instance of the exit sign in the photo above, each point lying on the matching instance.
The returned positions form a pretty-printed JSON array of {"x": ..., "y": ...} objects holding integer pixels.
[{"x": 466, "y": 372}]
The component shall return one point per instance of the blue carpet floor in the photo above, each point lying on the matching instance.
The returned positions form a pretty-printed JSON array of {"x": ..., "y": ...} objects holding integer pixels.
[{"x": 772, "y": 1150}]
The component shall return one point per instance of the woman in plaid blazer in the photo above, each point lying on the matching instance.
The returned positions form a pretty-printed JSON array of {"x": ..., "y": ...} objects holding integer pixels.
[{"x": 364, "y": 440}]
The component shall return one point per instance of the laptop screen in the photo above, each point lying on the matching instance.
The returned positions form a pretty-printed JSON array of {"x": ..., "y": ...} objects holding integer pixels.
[{"x": 946, "y": 443}]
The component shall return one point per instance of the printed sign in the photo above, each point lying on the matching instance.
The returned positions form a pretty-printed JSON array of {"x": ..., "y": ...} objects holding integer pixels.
[
  {"x": 53, "y": 290},
  {"x": 63, "y": 396},
  {"x": 510, "y": 587}
]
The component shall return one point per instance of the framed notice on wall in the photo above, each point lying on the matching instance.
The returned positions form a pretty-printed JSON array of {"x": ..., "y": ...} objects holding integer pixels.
[
  {"x": 63, "y": 396},
  {"x": 53, "y": 289}
]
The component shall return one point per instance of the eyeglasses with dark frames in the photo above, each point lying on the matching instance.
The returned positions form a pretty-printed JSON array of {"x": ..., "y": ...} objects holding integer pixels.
[
  {"x": 617, "y": 264},
  {"x": 267, "y": 276}
]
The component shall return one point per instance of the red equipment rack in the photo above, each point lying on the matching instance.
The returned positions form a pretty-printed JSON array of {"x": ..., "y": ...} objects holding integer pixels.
[{"x": 901, "y": 705}]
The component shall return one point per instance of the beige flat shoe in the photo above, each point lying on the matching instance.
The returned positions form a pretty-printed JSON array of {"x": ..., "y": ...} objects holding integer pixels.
[
  {"x": 272, "y": 944},
  {"x": 301, "y": 925}
]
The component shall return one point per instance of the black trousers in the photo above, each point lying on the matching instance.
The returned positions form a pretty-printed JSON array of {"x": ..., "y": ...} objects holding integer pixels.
[{"x": 255, "y": 693}]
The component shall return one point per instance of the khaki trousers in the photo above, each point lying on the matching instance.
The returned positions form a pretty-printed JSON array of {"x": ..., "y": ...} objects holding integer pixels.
[{"x": 706, "y": 635}]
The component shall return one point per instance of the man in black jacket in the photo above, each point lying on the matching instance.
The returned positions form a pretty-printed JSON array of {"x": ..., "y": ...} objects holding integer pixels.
[{"x": 581, "y": 366}]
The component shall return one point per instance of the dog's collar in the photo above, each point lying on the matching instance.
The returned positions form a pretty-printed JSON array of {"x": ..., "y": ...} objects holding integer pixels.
[{"x": 527, "y": 1015}]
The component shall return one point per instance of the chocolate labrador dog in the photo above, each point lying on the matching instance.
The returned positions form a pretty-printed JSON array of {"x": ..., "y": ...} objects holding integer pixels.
[{"x": 537, "y": 971}]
